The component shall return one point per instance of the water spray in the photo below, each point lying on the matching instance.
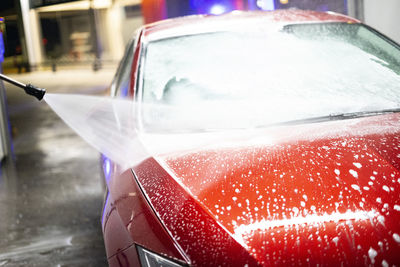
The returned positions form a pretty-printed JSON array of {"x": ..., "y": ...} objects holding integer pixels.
[{"x": 29, "y": 88}]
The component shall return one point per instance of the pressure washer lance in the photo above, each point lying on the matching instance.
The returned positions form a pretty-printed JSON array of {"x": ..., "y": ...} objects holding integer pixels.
[{"x": 29, "y": 88}]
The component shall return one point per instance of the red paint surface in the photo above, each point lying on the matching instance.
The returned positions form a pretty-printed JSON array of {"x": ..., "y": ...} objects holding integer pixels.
[
  {"x": 129, "y": 220},
  {"x": 125, "y": 258},
  {"x": 285, "y": 202},
  {"x": 199, "y": 235}
]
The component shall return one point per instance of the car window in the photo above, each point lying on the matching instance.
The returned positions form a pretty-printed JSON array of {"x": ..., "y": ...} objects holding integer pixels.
[
  {"x": 358, "y": 35},
  {"x": 120, "y": 87},
  {"x": 246, "y": 79},
  {"x": 387, "y": 51}
]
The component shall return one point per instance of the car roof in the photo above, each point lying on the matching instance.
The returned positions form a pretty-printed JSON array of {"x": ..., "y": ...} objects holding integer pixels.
[{"x": 237, "y": 19}]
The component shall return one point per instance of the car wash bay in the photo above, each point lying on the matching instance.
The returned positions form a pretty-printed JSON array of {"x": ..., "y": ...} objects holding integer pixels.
[{"x": 51, "y": 191}]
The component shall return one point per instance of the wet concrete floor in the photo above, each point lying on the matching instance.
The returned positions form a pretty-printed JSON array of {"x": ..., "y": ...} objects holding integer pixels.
[{"x": 51, "y": 192}]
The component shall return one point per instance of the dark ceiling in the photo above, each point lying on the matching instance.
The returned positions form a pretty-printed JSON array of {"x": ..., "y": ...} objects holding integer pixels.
[{"x": 6, "y": 4}]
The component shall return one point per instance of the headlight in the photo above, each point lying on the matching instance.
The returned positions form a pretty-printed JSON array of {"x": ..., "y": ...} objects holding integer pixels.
[{"x": 150, "y": 259}]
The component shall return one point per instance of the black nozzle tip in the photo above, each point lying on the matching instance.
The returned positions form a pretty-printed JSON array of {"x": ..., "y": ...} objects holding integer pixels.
[{"x": 35, "y": 91}]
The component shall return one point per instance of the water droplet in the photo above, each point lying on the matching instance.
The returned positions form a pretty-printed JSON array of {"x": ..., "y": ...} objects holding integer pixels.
[
  {"x": 354, "y": 173},
  {"x": 295, "y": 210},
  {"x": 396, "y": 237},
  {"x": 358, "y": 165},
  {"x": 372, "y": 254},
  {"x": 355, "y": 187},
  {"x": 386, "y": 188}
]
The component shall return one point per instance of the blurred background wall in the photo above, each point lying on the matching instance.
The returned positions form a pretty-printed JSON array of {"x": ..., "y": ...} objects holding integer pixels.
[
  {"x": 384, "y": 16},
  {"x": 43, "y": 33},
  {"x": 50, "y": 33}
]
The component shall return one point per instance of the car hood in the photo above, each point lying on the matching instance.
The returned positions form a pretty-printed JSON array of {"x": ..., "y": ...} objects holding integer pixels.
[{"x": 320, "y": 193}]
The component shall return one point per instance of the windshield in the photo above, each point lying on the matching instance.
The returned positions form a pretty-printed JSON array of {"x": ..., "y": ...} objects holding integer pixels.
[{"x": 249, "y": 79}]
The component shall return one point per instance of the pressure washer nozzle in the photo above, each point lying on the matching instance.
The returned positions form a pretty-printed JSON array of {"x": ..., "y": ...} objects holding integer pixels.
[
  {"x": 29, "y": 88},
  {"x": 35, "y": 91}
]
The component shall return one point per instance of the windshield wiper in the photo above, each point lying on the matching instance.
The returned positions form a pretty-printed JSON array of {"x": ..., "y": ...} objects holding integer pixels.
[
  {"x": 359, "y": 114},
  {"x": 336, "y": 117},
  {"x": 330, "y": 117}
]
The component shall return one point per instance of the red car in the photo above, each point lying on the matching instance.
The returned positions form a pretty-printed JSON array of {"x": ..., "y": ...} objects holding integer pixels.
[{"x": 287, "y": 133}]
